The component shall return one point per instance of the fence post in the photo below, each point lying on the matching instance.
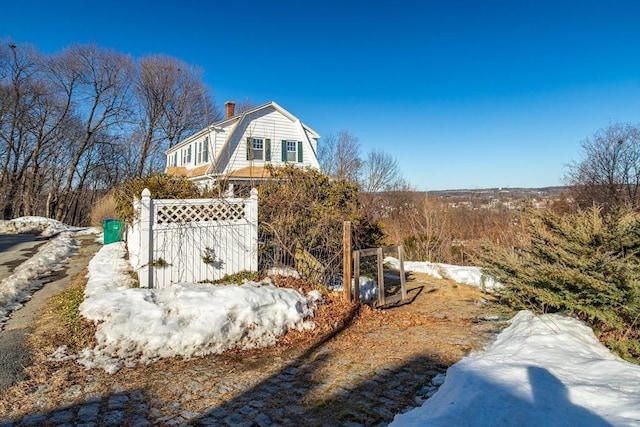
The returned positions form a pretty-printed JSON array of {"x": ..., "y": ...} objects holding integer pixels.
[
  {"x": 253, "y": 229},
  {"x": 403, "y": 284},
  {"x": 346, "y": 259},
  {"x": 145, "y": 274},
  {"x": 381, "y": 296},
  {"x": 356, "y": 275}
]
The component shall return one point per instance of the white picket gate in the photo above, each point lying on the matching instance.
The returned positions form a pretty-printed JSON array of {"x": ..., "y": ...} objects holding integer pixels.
[{"x": 194, "y": 240}]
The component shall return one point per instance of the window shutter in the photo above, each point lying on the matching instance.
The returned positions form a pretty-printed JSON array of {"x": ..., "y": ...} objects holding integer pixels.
[
  {"x": 189, "y": 154},
  {"x": 267, "y": 150},
  {"x": 284, "y": 150},
  {"x": 205, "y": 154},
  {"x": 300, "y": 152},
  {"x": 249, "y": 149}
]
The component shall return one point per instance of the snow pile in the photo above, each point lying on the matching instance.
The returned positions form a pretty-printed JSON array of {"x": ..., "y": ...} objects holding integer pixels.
[
  {"x": 26, "y": 278},
  {"x": 416, "y": 266},
  {"x": 542, "y": 370},
  {"x": 45, "y": 227},
  {"x": 466, "y": 275},
  {"x": 108, "y": 271},
  {"x": 186, "y": 320},
  {"x": 368, "y": 288}
]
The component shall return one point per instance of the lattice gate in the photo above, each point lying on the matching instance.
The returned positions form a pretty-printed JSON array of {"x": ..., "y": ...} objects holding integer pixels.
[{"x": 196, "y": 240}]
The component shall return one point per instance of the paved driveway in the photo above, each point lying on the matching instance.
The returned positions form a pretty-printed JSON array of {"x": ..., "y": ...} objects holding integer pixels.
[{"x": 15, "y": 249}]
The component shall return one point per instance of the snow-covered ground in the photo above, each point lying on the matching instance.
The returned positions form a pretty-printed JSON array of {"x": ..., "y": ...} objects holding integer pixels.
[
  {"x": 142, "y": 325},
  {"x": 26, "y": 278},
  {"x": 467, "y": 275},
  {"x": 545, "y": 370}
]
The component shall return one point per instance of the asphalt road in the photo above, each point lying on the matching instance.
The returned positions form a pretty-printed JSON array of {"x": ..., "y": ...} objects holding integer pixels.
[
  {"x": 15, "y": 249},
  {"x": 14, "y": 357}
]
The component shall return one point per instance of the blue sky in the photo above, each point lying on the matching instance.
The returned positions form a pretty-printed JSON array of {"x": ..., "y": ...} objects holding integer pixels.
[{"x": 464, "y": 94}]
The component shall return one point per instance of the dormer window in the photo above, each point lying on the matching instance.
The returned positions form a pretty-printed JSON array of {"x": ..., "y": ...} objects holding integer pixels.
[
  {"x": 258, "y": 149},
  {"x": 292, "y": 151}
]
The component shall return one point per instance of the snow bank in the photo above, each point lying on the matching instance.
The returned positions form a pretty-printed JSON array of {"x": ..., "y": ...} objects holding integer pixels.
[
  {"x": 26, "y": 278},
  {"x": 108, "y": 270},
  {"x": 542, "y": 370},
  {"x": 185, "y": 320},
  {"x": 466, "y": 275},
  {"x": 45, "y": 227},
  {"x": 368, "y": 288}
]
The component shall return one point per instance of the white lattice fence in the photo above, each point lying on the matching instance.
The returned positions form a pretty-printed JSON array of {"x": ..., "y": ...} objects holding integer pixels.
[{"x": 196, "y": 240}]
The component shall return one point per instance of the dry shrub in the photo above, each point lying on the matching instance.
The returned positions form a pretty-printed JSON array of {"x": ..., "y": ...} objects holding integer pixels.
[
  {"x": 104, "y": 208},
  {"x": 430, "y": 229},
  {"x": 161, "y": 186},
  {"x": 301, "y": 218}
]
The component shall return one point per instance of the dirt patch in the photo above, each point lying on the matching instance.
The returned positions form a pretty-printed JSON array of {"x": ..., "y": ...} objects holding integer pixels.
[{"x": 357, "y": 358}]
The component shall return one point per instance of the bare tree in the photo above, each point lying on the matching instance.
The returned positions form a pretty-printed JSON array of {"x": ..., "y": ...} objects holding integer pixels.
[
  {"x": 98, "y": 80},
  {"x": 339, "y": 156},
  {"x": 244, "y": 105},
  {"x": 173, "y": 101},
  {"x": 608, "y": 174},
  {"x": 189, "y": 107},
  {"x": 69, "y": 129},
  {"x": 381, "y": 172},
  {"x": 48, "y": 131},
  {"x": 19, "y": 66}
]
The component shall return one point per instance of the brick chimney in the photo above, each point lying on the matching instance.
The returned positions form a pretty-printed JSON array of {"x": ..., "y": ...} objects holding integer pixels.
[{"x": 230, "y": 107}]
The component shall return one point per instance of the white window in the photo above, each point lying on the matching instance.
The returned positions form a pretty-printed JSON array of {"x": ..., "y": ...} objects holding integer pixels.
[
  {"x": 257, "y": 147},
  {"x": 205, "y": 150},
  {"x": 199, "y": 151},
  {"x": 292, "y": 151}
]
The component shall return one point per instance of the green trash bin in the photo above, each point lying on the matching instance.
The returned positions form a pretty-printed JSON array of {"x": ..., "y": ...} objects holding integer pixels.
[{"x": 112, "y": 229}]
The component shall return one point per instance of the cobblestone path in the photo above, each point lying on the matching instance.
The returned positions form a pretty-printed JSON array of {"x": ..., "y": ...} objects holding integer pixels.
[{"x": 362, "y": 376}]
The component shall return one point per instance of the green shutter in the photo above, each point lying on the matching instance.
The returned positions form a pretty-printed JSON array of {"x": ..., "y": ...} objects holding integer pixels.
[
  {"x": 284, "y": 150},
  {"x": 299, "y": 151},
  {"x": 205, "y": 154},
  {"x": 249, "y": 149},
  {"x": 267, "y": 150}
]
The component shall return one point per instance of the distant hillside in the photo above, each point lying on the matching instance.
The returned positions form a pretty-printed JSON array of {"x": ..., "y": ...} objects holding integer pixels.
[
  {"x": 494, "y": 197},
  {"x": 499, "y": 193}
]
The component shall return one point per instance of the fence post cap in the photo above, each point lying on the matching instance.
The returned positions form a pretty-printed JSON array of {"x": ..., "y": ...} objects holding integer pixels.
[
  {"x": 254, "y": 192},
  {"x": 146, "y": 193}
]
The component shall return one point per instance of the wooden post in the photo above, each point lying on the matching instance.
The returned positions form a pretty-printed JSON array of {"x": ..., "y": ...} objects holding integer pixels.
[
  {"x": 381, "y": 296},
  {"x": 346, "y": 259},
  {"x": 356, "y": 275},
  {"x": 403, "y": 285}
]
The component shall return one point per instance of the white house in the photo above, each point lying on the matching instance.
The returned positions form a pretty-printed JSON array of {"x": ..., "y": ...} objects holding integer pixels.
[{"x": 239, "y": 147}]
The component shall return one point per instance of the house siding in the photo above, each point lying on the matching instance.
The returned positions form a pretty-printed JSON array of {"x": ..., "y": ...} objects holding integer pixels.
[
  {"x": 228, "y": 144},
  {"x": 266, "y": 124}
]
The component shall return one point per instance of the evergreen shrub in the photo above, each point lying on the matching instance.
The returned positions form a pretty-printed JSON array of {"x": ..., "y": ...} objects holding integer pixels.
[{"x": 584, "y": 264}]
